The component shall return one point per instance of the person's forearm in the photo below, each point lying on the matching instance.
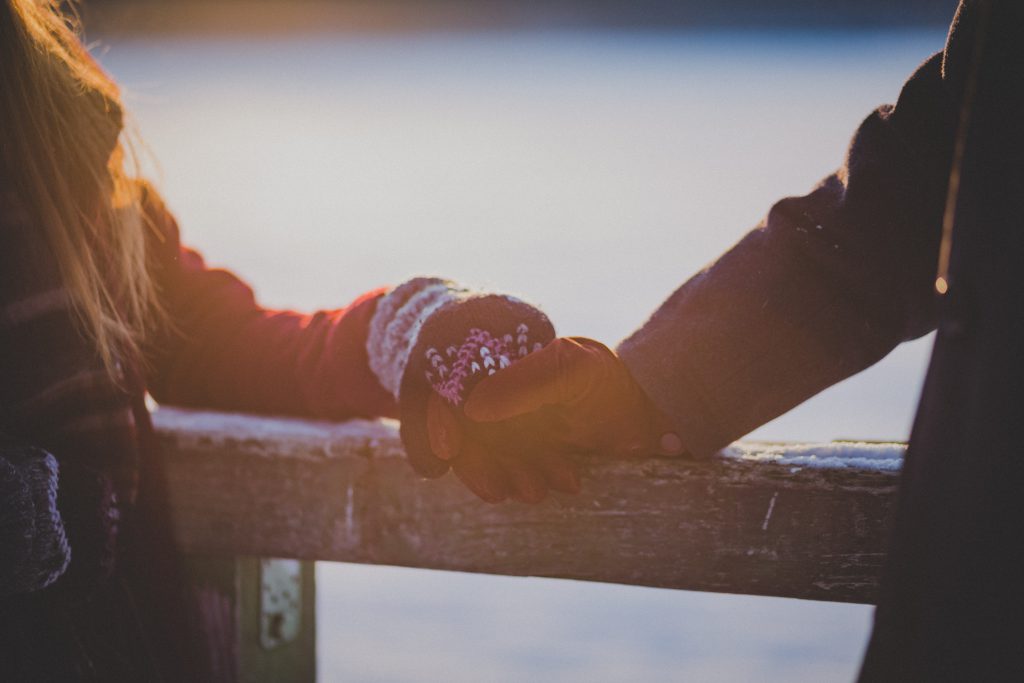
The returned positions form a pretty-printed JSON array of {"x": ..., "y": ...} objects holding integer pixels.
[
  {"x": 266, "y": 361},
  {"x": 222, "y": 350},
  {"x": 826, "y": 286}
]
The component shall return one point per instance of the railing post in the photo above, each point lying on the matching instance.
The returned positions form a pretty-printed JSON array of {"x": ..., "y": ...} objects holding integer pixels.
[{"x": 265, "y": 609}]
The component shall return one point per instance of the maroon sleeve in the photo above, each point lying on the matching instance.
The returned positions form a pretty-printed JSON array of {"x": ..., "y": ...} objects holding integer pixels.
[
  {"x": 827, "y": 285},
  {"x": 222, "y": 350}
]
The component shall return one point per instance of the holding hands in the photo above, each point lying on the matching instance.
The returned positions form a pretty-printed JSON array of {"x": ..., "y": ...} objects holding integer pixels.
[
  {"x": 459, "y": 345},
  {"x": 485, "y": 389},
  {"x": 594, "y": 404}
]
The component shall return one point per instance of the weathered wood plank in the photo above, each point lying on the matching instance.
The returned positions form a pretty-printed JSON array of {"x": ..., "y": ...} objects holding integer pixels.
[{"x": 243, "y": 485}]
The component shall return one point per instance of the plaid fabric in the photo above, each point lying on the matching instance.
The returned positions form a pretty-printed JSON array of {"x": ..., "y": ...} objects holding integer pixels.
[
  {"x": 222, "y": 351},
  {"x": 55, "y": 394}
]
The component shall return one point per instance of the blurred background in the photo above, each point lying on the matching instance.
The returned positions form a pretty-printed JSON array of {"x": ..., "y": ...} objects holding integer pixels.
[{"x": 589, "y": 156}]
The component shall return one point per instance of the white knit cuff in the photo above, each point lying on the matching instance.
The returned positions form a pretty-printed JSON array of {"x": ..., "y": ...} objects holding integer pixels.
[{"x": 396, "y": 325}]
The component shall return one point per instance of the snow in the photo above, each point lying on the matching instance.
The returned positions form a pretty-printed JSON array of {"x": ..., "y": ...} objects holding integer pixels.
[
  {"x": 872, "y": 456},
  {"x": 878, "y": 457},
  {"x": 279, "y": 433}
]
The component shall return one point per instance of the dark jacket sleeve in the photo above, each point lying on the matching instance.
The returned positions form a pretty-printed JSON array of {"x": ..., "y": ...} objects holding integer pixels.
[
  {"x": 222, "y": 350},
  {"x": 824, "y": 287}
]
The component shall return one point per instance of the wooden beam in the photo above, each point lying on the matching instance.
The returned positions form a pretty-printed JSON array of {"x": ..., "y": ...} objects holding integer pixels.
[{"x": 764, "y": 520}]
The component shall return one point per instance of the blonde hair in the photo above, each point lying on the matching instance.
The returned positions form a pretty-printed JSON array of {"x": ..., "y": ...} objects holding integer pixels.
[{"x": 60, "y": 132}]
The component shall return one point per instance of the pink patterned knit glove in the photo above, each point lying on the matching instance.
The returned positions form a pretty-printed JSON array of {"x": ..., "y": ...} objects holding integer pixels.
[{"x": 430, "y": 343}]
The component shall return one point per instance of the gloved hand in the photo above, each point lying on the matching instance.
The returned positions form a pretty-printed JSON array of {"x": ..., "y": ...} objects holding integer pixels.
[
  {"x": 499, "y": 461},
  {"x": 441, "y": 340},
  {"x": 458, "y": 346},
  {"x": 586, "y": 398}
]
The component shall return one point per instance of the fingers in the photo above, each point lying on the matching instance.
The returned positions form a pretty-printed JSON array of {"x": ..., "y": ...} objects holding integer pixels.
[
  {"x": 482, "y": 462},
  {"x": 668, "y": 441},
  {"x": 525, "y": 483},
  {"x": 527, "y": 478},
  {"x": 646, "y": 430},
  {"x": 640, "y": 431},
  {"x": 524, "y": 479},
  {"x": 559, "y": 472},
  {"x": 443, "y": 428},
  {"x": 481, "y": 475},
  {"x": 558, "y": 373},
  {"x": 416, "y": 435}
]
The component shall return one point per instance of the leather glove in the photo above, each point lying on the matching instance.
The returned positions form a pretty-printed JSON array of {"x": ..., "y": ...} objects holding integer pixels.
[
  {"x": 441, "y": 340},
  {"x": 586, "y": 396}
]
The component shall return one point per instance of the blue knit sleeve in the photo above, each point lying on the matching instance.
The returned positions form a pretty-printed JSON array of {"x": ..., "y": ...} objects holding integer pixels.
[{"x": 34, "y": 550}]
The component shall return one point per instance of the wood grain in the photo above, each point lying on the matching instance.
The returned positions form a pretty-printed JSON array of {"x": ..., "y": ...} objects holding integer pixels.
[{"x": 244, "y": 485}]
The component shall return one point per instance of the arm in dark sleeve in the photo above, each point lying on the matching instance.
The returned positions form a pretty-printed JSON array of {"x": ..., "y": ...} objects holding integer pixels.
[
  {"x": 826, "y": 286},
  {"x": 224, "y": 351}
]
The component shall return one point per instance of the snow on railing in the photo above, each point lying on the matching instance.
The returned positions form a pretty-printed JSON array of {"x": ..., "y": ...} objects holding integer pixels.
[
  {"x": 837, "y": 455},
  {"x": 804, "y": 521}
]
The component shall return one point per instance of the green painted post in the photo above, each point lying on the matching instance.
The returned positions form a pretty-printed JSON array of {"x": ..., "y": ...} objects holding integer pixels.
[{"x": 270, "y": 605}]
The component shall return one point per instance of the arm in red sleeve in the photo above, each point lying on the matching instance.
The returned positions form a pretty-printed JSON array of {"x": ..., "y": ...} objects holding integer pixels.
[{"x": 224, "y": 351}]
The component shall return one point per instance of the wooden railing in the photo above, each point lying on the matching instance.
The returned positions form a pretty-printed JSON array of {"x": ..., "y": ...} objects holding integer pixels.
[{"x": 792, "y": 521}]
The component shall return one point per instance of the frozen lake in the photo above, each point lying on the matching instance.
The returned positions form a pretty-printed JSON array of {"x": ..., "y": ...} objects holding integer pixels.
[{"x": 591, "y": 173}]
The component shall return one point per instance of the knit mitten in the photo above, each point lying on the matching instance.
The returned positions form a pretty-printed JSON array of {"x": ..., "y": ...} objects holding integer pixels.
[
  {"x": 430, "y": 342},
  {"x": 33, "y": 545}
]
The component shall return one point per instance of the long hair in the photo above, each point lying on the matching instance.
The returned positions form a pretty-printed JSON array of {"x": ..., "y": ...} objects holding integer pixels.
[{"x": 60, "y": 147}]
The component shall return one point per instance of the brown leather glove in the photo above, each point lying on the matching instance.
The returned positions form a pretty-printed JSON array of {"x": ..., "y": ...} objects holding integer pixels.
[
  {"x": 430, "y": 342},
  {"x": 507, "y": 459},
  {"x": 580, "y": 398},
  {"x": 458, "y": 346}
]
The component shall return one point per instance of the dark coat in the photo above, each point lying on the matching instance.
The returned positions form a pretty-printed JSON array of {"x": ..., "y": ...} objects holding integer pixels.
[
  {"x": 830, "y": 282},
  {"x": 952, "y": 603}
]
